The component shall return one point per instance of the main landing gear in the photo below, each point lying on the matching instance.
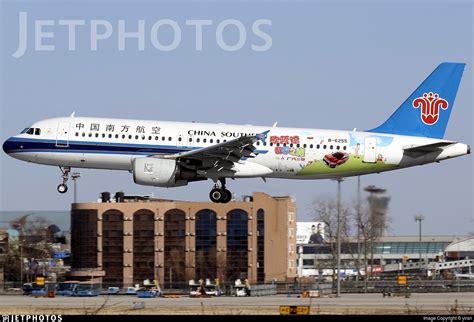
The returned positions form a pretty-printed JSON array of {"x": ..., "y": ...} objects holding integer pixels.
[
  {"x": 220, "y": 194},
  {"x": 62, "y": 188}
]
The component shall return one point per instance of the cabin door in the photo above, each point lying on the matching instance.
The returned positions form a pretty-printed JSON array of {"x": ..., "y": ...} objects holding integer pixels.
[
  {"x": 370, "y": 150},
  {"x": 62, "y": 136}
]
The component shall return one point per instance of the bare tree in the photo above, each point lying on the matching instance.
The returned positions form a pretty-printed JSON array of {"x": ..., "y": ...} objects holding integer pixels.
[
  {"x": 34, "y": 242},
  {"x": 325, "y": 210},
  {"x": 368, "y": 230}
]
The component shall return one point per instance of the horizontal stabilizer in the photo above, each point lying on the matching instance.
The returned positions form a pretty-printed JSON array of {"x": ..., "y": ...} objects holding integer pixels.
[{"x": 427, "y": 147}]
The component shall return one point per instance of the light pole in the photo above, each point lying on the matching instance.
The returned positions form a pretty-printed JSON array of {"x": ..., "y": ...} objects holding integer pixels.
[
  {"x": 420, "y": 218},
  {"x": 75, "y": 176},
  {"x": 338, "y": 236},
  {"x": 358, "y": 228}
]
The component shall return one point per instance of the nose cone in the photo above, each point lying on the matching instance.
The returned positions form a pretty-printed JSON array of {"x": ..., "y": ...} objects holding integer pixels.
[{"x": 7, "y": 146}]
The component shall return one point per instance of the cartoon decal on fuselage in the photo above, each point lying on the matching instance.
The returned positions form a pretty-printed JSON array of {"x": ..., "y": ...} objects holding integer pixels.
[{"x": 351, "y": 159}]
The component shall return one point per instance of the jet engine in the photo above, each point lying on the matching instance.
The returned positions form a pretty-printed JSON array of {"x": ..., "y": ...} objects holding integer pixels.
[{"x": 149, "y": 171}]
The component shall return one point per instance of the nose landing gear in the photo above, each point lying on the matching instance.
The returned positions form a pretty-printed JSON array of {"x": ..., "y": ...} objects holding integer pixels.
[
  {"x": 62, "y": 188},
  {"x": 220, "y": 194}
]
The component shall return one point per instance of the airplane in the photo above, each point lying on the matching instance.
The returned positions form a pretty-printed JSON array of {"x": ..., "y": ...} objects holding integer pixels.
[{"x": 172, "y": 154}]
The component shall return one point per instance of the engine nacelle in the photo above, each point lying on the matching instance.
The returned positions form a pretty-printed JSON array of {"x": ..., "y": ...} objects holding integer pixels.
[{"x": 158, "y": 172}]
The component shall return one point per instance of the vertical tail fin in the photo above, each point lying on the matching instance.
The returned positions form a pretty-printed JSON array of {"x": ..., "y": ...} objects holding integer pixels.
[{"x": 426, "y": 112}]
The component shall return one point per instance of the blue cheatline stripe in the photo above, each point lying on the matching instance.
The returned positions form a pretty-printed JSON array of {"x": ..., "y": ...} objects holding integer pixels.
[{"x": 40, "y": 145}]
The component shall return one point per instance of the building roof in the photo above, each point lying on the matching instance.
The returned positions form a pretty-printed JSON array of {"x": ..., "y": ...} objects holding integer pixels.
[{"x": 461, "y": 245}]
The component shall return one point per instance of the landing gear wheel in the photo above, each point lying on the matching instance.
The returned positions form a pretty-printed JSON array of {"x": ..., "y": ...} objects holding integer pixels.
[
  {"x": 216, "y": 195},
  {"x": 62, "y": 188},
  {"x": 226, "y": 196}
]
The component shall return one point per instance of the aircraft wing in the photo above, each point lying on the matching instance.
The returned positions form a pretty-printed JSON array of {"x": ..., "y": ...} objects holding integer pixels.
[
  {"x": 233, "y": 150},
  {"x": 433, "y": 147}
]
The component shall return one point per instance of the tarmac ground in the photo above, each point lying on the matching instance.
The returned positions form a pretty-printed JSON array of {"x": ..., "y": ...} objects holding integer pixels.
[{"x": 418, "y": 303}]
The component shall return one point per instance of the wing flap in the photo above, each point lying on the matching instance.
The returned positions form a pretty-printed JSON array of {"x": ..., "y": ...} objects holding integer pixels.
[{"x": 433, "y": 147}]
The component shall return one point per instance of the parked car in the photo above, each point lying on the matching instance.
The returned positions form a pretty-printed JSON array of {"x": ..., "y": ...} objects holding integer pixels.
[
  {"x": 336, "y": 158},
  {"x": 27, "y": 288},
  {"x": 113, "y": 290}
]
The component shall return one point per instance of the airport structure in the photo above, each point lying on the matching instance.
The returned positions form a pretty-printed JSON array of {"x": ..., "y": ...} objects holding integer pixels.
[
  {"x": 124, "y": 241},
  {"x": 387, "y": 254}
]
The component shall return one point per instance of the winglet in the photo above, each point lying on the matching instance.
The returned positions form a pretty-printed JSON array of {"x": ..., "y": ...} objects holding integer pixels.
[
  {"x": 275, "y": 124},
  {"x": 73, "y": 114}
]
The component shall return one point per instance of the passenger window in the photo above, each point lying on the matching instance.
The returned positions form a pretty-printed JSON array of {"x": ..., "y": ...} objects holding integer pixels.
[
  {"x": 116, "y": 136},
  {"x": 123, "y": 136},
  {"x": 211, "y": 140},
  {"x": 198, "y": 140},
  {"x": 170, "y": 138},
  {"x": 338, "y": 147},
  {"x": 83, "y": 134},
  {"x": 149, "y": 138},
  {"x": 258, "y": 143},
  {"x": 180, "y": 139},
  {"x": 331, "y": 147},
  {"x": 218, "y": 141},
  {"x": 324, "y": 147},
  {"x": 130, "y": 137},
  {"x": 311, "y": 146},
  {"x": 136, "y": 137},
  {"x": 77, "y": 133},
  {"x": 190, "y": 140},
  {"x": 163, "y": 138},
  {"x": 37, "y": 131},
  {"x": 271, "y": 144},
  {"x": 143, "y": 137},
  {"x": 97, "y": 135},
  {"x": 156, "y": 138},
  {"x": 90, "y": 135},
  {"x": 345, "y": 147},
  {"x": 110, "y": 136},
  {"x": 103, "y": 135},
  {"x": 204, "y": 140}
]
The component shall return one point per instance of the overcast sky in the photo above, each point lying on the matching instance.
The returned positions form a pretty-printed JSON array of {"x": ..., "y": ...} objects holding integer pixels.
[{"x": 331, "y": 65}]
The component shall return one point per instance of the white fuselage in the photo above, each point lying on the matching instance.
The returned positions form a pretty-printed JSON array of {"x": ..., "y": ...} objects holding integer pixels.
[{"x": 294, "y": 153}]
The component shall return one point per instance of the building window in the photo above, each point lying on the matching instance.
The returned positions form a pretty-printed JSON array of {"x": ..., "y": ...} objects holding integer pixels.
[
  {"x": 206, "y": 244},
  {"x": 175, "y": 248},
  {"x": 84, "y": 235},
  {"x": 237, "y": 245},
  {"x": 261, "y": 246},
  {"x": 143, "y": 246},
  {"x": 308, "y": 262},
  {"x": 112, "y": 247}
]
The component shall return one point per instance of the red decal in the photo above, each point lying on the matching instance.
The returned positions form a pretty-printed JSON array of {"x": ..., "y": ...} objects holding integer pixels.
[{"x": 430, "y": 104}]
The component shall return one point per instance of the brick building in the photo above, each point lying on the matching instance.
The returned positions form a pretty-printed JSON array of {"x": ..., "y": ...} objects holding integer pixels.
[{"x": 122, "y": 243}]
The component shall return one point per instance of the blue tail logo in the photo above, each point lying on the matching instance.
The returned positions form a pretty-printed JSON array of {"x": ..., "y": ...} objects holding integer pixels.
[{"x": 427, "y": 110}]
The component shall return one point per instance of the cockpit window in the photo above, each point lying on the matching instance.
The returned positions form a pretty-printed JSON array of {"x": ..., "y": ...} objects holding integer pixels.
[{"x": 31, "y": 131}]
